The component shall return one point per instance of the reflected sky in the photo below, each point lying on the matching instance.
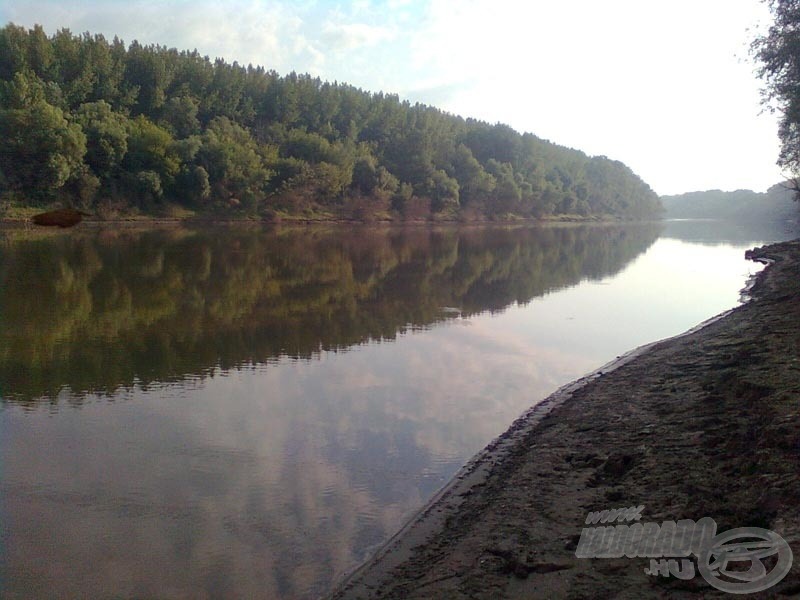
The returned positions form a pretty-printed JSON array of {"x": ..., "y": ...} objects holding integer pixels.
[
  {"x": 270, "y": 478},
  {"x": 673, "y": 286}
]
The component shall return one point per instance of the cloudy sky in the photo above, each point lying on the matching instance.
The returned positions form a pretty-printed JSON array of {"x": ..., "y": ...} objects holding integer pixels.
[{"x": 666, "y": 86}]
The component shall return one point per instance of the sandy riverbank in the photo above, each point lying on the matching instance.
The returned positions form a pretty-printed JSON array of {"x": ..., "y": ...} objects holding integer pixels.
[{"x": 706, "y": 424}]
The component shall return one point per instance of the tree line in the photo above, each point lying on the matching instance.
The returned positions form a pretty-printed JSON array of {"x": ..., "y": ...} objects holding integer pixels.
[
  {"x": 111, "y": 128},
  {"x": 745, "y": 206},
  {"x": 777, "y": 56}
]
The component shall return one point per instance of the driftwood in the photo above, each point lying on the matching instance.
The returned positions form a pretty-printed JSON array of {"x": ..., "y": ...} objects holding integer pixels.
[{"x": 63, "y": 217}]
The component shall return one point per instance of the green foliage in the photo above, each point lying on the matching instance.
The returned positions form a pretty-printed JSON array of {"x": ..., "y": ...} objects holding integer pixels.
[
  {"x": 442, "y": 190},
  {"x": 740, "y": 206},
  {"x": 151, "y": 148},
  {"x": 475, "y": 183},
  {"x": 233, "y": 161},
  {"x": 106, "y": 137},
  {"x": 310, "y": 147},
  {"x": 195, "y": 184},
  {"x": 777, "y": 52},
  {"x": 365, "y": 175},
  {"x": 180, "y": 116},
  {"x": 370, "y": 179},
  {"x": 83, "y": 186},
  {"x": 146, "y": 186},
  {"x": 40, "y": 149},
  {"x": 163, "y": 124}
]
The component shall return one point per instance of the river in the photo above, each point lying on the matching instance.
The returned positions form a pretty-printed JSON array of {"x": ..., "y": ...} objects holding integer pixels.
[{"x": 237, "y": 412}]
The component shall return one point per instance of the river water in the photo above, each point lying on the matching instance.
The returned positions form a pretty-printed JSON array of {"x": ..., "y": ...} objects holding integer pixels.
[{"x": 238, "y": 412}]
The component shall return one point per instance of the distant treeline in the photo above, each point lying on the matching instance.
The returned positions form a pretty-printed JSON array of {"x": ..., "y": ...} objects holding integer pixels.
[
  {"x": 746, "y": 206},
  {"x": 113, "y": 128}
]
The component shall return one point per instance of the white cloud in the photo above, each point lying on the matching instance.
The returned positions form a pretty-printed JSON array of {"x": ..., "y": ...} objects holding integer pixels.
[
  {"x": 249, "y": 32},
  {"x": 350, "y": 36}
]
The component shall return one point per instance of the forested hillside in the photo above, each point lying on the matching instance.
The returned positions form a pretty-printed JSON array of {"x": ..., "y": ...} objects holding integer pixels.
[
  {"x": 117, "y": 129},
  {"x": 775, "y": 205}
]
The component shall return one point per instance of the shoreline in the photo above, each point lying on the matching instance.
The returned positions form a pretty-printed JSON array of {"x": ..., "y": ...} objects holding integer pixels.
[
  {"x": 145, "y": 220},
  {"x": 486, "y": 534},
  {"x": 474, "y": 472}
]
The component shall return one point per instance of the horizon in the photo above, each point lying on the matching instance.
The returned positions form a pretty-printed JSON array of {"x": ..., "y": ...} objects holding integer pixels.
[{"x": 368, "y": 45}]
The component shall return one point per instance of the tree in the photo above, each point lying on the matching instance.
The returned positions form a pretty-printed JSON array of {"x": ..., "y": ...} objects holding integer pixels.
[
  {"x": 442, "y": 191},
  {"x": 106, "y": 137},
  {"x": 151, "y": 148},
  {"x": 40, "y": 52},
  {"x": 13, "y": 54},
  {"x": 506, "y": 193},
  {"x": 146, "y": 69},
  {"x": 162, "y": 123},
  {"x": 195, "y": 185},
  {"x": 777, "y": 51},
  {"x": 475, "y": 183},
  {"x": 40, "y": 148},
  {"x": 147, "y": 187},
  {"x": 371, "y": 179},
  {"x": 75, "y": 74},
  {"x": 234, "y": 163},
  {"x": 180, "y": 116},
  {"x": 365, "y": 174}
]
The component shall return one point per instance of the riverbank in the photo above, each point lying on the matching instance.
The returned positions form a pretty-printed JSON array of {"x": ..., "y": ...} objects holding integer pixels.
[
  {"x": 700, "y": 425},
  {"x": 22, "y": 218}
]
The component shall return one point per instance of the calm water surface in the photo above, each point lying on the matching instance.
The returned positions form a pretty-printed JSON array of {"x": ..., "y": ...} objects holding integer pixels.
[{"x": 241, "y": 413}]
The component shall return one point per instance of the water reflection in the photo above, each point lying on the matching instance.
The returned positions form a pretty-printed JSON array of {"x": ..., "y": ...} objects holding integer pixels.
[
  {"x": 257, "y": 410},
  {"x": 705, "y": 231},
  {"x": 97, "y": 312}
]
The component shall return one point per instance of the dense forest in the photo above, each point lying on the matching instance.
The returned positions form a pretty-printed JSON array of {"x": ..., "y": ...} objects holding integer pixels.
[
  {"x": 114, "y": 129},
  {"x": 746, "y": 206}
]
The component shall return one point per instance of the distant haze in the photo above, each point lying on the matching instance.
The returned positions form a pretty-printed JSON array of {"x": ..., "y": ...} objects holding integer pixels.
[
  {"x": 775, "y": 205},
  {"x": 666, "y": 87}
]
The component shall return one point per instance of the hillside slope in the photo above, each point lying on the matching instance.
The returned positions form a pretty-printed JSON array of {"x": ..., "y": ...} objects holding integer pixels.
[{"x": 112, "y": 128}]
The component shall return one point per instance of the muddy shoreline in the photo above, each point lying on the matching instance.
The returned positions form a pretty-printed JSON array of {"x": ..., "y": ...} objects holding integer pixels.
[
  {"x": 289, "y": 221},
  {"x": 705, "y": 424}
]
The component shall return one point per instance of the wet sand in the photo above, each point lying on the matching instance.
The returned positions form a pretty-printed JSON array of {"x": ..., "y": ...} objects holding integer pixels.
[{"x": 706, "y": 424}]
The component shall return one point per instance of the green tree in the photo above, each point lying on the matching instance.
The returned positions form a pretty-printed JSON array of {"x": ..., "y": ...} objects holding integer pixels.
[
  {"x": 369, "y": 178},
  {"x": 235, "y": 164},
  {"x": 106, "y": 137},
  {"x": 74, "y": 72},
  {"x": 151, "y": 148},
  {"x": 182, "y": 127},
  {"x": 147, "y": 188},
  {"x": 506, "y": 193},
  {"x": 474, "y": 182},
  {"x": 147, "y": 70},
  {"x": 40, "y": 148},
  {"x": 41, "y": 56},
  {"x": 777, "y": 52},
  {"x": 179, "y": 115},
  {"x": 195, "y": 186},
  {"x": 442, "y": 190},
  {"x": 13, "y": 51}
]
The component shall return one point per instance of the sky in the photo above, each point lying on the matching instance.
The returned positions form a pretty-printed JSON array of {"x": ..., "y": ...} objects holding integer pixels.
[{"x": 666, "y": 86}]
